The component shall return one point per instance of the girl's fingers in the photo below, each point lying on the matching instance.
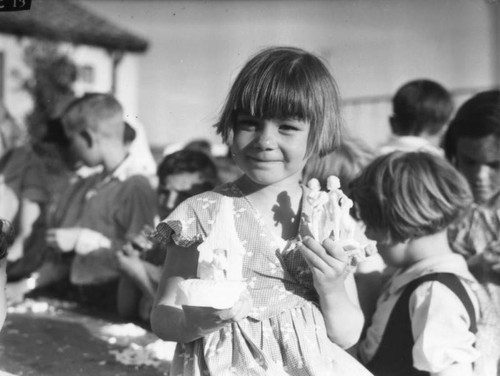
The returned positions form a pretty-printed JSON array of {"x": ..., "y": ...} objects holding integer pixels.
[
  {"x": 332, "y": 254},
  {"x": 335, "y": 250},
  {"x": 312, "y": 258}
]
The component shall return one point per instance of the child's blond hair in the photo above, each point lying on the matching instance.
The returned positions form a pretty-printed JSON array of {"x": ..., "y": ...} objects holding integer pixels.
[
  {"x": 409, "y": 195},
  {"x": 97, "y": 112}
]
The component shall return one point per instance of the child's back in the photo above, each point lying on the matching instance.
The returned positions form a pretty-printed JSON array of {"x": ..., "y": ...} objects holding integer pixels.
[{"x": 426, "y": 316}]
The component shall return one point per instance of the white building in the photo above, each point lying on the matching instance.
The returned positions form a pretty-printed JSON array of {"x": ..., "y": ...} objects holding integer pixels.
[{"x": 101, "y": 50}]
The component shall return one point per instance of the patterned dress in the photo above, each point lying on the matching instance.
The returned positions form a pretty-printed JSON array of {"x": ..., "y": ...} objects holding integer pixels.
[
  {"x": 285, "y": 332},
  {"x": 476, "y": 236}
]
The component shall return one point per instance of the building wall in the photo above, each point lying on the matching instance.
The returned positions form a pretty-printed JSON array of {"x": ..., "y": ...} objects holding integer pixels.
[
  {"x": 373, "y": 47},
  {"x": 95, "y": 75},
  {"x": 15, "y": 98}
]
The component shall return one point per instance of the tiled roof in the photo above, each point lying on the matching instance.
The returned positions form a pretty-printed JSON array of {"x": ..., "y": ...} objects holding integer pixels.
[{"x": 64, "y": 20}]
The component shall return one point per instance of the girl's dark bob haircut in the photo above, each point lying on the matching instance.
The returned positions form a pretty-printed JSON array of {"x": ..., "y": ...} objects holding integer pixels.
[
  {"x": 285, "y": 83},
  {"x": 404, "y": 196},
  {"x": 478, "y": 117}
]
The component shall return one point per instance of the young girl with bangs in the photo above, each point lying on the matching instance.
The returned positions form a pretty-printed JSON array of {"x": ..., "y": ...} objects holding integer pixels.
[
  {"x": 426, "y": 318},
  {"x": 299, "y": 307}
]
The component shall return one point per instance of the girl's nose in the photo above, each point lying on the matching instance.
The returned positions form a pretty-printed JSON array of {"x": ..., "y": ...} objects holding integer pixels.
[
  {"x": 265, "y": 143},
  {"x": 266, "y": 139}
]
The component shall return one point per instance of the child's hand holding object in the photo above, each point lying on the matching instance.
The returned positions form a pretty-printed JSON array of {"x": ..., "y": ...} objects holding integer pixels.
[
  {"x": 327, "y": 262},
  {"x": 207, "y": 319},
  {"x": 330, "y": 219}
]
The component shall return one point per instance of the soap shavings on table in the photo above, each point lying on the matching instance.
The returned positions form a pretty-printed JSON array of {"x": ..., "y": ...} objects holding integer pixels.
[
  {"x": 41, "y": 307},
  {"x": 153, "y": 354}
]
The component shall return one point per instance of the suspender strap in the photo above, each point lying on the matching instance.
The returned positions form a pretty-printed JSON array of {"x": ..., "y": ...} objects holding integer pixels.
[{"x": 394, "y": 354}]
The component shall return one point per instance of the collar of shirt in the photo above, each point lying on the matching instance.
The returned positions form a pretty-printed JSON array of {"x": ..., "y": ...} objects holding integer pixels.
[
  {"x": 123, "y": 171},
  {"x": 410, "y": 143},
  {"x": 448, "y": 263},
  {"x": 120, "y": 173}
]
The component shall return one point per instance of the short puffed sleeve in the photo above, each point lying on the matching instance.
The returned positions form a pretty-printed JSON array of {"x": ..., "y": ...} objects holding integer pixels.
[{"x": 189, "y": 223}]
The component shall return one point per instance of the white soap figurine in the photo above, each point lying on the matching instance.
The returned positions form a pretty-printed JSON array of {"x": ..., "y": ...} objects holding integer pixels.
[
  {"x": 331, "y": 218},
  {"x": 317, "y": 199},
  {"x": 344, "y": 224},
  {"x": 220, "y": 265}
]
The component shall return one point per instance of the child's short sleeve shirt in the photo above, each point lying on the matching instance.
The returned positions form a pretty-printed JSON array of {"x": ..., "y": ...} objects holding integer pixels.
[{"x": 440, "y": 322}]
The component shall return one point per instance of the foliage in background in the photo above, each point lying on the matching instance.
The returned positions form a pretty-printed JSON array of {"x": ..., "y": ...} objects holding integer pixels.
[{"x": 50, "y": 84}]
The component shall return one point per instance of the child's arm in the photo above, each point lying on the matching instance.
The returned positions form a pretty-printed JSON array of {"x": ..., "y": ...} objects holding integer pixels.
[
  {"x": 169, "y": 321},
  {"x": 78, "y": 239},
  {"x": 440, "y": 327},
  {"x": 3, "y": 298},
  {"x": 29, "y": 213},
  {"x": 337, "y": 291},
  {"x": 132, "y": 266}
]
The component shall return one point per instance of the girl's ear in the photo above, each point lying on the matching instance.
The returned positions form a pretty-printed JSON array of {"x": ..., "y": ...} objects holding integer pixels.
[{"x": 87, "y": 137}]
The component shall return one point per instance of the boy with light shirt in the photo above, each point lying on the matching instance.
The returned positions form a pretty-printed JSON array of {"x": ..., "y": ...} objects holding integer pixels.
[{"x": 116, "y": 205}]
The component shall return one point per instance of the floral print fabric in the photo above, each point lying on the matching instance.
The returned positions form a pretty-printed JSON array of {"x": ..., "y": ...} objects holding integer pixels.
[{"x": 285, "y": 333}]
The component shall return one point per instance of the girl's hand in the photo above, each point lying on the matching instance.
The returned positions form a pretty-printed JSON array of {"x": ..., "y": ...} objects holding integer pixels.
[
  {"x": 336, "y": 288},
  {"x": 328, "y": 263},
  {"x": 208, "y": 319}
]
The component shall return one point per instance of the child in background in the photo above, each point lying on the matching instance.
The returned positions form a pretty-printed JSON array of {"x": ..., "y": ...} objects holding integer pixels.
[
  {"x": 472, "y": 144},
  {"x": 115, "y": 205},
  {"x": 6, "y": 240},
  {"x": 11, "y": 134},
  {"x": 300, "y": 307},
  {"x": 421, "y": 111},
  {"x": 425, "y": 320},
  {"x": 181, "y": 175},
  {"x": 38, "y": 173}
]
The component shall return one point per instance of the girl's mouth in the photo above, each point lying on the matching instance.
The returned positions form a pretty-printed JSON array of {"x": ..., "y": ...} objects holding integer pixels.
[{"x": 261, "y": 160}]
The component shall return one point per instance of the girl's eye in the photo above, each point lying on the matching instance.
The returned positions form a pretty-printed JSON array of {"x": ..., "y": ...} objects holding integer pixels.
[
  {"x": 245, "y": 125},
  {"x": 288, "y": 128}
]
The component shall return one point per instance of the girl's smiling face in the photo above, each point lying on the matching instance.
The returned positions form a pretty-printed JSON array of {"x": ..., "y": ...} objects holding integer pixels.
[{"x": 270, "y": 150}]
